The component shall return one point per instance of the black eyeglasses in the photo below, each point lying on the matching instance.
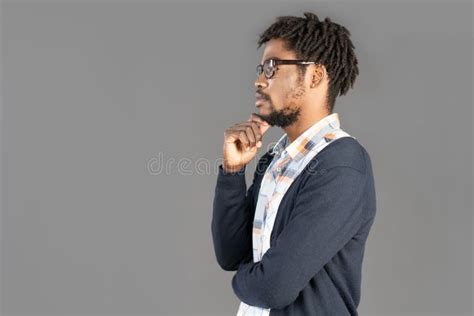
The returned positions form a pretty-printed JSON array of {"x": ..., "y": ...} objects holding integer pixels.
[{"x": 269, "y": 66}]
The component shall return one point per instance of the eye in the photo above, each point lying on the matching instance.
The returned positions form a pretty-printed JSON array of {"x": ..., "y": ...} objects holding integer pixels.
[
  {"x": 269, "y": 68},
  {"x": 268, "y": 71}
]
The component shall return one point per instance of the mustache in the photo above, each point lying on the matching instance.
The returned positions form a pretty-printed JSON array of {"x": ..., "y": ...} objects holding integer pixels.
[{"x": 264, "y": 96}]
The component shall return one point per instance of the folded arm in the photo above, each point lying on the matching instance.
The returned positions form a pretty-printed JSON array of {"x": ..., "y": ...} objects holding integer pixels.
[
  {"x": 327, "y": 214},
  {"x": 232, "y": 219}
]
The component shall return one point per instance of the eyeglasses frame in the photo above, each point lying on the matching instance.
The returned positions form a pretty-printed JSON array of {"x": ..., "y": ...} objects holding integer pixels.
[{"x": 275, "y": 62}]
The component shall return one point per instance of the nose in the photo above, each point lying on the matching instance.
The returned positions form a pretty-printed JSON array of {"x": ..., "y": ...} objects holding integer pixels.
[{"x": 261, "y": 82}]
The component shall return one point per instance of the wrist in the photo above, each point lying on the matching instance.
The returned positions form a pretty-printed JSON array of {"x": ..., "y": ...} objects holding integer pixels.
[{"x": 232, "y": 169}]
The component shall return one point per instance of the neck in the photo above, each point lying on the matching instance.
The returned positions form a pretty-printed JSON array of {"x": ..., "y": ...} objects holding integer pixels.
[{"x": 305, "y": 121}]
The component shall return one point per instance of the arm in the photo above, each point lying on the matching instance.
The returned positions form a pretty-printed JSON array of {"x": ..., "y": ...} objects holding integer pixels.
[
  {"x": 232, "y": 219},
  {"x": 327, "y": 214}
]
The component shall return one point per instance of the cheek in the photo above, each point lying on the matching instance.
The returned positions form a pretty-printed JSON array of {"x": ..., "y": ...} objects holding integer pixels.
[
  {"x": 283, "y": 90},
  {"x": 298, "y": 92},
  {"x": 279, "y": 93},
  {"x": 295, "y": 90},
  {"x": 273, "y": 91}
]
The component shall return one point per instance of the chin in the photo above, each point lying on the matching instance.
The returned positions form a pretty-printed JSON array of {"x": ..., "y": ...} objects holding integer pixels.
[{"x": 264, "y": 110}]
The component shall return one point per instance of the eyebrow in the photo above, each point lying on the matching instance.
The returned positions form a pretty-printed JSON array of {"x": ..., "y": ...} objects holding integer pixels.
[{"x": 272, "y": 57}]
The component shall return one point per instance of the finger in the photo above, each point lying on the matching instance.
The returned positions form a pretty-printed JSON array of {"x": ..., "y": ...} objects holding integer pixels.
[
  {"x": 247, "y": 129},
  {"x": 230, "y": 135},
  {"x": 256, "y": 131},
  {"x": 251, "y": 136},
  {"x": 252, "y": 127},
  {"x": 243, "y": 138},
  {"x": 256, "y": 126},
  {"x": 263, "y": 126},
  {"x": 256, "y": 118}
]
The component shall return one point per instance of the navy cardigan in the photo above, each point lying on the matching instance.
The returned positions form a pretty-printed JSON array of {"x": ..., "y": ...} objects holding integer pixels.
[{"x": 314, "y": 263}]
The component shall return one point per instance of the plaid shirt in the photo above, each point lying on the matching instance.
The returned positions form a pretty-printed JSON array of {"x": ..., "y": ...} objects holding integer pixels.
[{"x": 288, "y": 162}]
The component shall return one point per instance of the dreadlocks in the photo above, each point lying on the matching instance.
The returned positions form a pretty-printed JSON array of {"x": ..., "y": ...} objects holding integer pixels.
[{"x": 325, "y": 42}]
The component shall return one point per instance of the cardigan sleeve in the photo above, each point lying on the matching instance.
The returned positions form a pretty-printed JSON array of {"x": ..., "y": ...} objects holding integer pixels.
[
  {"x": 327, "y": 214},
  {"x": 232, "y": 219}
]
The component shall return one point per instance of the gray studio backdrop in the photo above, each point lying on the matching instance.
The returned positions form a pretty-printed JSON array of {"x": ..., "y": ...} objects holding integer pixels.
[{"x": 112, "y": 127}]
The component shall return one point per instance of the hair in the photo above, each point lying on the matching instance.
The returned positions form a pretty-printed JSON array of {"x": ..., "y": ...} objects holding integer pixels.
[{"x": 324, "y": 42}]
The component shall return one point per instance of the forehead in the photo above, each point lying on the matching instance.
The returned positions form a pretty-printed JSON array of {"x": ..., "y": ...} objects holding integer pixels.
[{"x": 275, "y": 48}]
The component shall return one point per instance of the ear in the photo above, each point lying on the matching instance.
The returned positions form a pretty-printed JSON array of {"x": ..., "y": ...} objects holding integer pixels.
[{"x": 318, "y": 75}]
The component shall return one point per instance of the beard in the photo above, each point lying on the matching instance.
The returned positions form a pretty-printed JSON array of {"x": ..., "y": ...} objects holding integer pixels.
[
  {"x": 289, "y": 114},
  {"x": 282, "y": 118}
]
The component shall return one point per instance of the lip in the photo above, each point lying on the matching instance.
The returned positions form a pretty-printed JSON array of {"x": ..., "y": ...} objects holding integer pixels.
[
  {"x": 259, "y": 102},
  {"x": 258, "y": 99}
]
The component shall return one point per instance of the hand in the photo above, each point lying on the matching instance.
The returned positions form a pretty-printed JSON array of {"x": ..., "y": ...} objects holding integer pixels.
[{"x": 241, "y": 142}]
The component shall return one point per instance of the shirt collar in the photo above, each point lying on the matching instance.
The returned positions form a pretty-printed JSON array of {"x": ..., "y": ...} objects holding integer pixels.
[{"x": 310, "y": 137}]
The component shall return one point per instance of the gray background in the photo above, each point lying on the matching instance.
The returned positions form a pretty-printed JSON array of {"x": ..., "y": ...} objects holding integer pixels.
[{"x": 97, "y": 95}]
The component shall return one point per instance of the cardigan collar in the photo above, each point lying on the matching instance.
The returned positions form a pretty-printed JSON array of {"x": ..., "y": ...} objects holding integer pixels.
[{"x": 308, "y": 139}]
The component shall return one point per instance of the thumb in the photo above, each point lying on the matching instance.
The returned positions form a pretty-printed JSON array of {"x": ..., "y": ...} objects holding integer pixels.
[
  {"x": 262, "y": 124},
  {"x": 264, "y": 127}
]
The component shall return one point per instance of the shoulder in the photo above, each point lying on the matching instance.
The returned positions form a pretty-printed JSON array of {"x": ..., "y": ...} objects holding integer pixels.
[
  {"x": 341, "y": 166},
  {"x": 343, "y": 152}
]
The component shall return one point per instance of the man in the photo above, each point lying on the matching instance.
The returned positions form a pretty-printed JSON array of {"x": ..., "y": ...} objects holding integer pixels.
[{"x": 296, "y": 237}]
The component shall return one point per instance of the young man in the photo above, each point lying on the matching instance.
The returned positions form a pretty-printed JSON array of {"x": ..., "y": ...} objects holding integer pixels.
[{"x": 296, "y": 237}]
